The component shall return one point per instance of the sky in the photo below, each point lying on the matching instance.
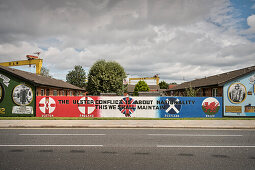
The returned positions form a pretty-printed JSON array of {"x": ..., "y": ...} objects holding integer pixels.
[{"x": 180, "y": 40}]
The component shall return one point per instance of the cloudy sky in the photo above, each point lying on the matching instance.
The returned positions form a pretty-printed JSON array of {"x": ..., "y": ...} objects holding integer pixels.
[{"x": 178, "y": 39}]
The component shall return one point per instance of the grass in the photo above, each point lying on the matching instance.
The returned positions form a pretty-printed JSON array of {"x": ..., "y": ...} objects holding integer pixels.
[{"x": 113, "y": 118}]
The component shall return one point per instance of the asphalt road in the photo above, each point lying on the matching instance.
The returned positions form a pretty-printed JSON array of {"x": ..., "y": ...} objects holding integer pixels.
[{"x": 127, "y": 149}]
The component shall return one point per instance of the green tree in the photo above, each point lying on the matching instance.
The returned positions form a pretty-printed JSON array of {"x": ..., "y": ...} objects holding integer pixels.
[
  {"x": 77, "y": 76},
  {"x": 106, "y": 77},
  {"x": 45, "y": 72},
  {"x": 141, "y": 86},
  {"x": 191, "y": 92},
  {"x": 163, "y": 85}
]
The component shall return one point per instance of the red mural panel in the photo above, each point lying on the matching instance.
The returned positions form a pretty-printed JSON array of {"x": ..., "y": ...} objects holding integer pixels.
[{"x": 66, "y": 106}]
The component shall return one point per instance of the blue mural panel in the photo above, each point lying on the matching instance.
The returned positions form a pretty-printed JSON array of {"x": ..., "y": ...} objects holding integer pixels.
[
  {"x": 239, "y": 96},
  {"x": 185, "y": 107}
]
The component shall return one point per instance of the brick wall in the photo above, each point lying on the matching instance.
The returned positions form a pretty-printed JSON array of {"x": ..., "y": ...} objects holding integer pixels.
[{"x": 59, "y": 92}]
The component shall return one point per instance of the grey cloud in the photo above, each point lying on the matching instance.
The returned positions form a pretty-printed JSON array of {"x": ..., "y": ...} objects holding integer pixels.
[
  {"x": 34, "y": 19},
  {"x": 176, "y": 39}
]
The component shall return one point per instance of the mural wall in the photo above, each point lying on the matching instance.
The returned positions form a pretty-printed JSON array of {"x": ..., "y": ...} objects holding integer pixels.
[
  {"x": 17, "y": 98},
  {"x": 149, "y": 107},
  {"x": 239, "y": 96}
]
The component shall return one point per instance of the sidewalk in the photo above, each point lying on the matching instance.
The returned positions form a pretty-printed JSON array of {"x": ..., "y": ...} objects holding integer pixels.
[{"x": 210, "y": 124}]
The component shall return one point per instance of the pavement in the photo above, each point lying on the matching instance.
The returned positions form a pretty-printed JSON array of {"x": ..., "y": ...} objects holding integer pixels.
[{"x": 210, "y": 124}]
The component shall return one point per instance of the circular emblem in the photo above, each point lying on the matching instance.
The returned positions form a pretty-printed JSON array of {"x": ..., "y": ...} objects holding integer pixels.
[
  {"x": 47, "y": 105},
  {"x": 86, "y": 108},
  {"x": 210, "y": 106},
  {"x": 22, "y": 94},
  {"x": 237, "y": 93},
  {"x": 127, "y": 106},
  {"x": 172, "y": 105}
]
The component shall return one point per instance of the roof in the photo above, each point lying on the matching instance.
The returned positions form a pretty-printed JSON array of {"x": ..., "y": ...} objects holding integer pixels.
[
  {"x": 130, "y": 88},
  {"x": 219, "y": 79},
  {"x": 155, "y": 93},
  {"x": 170, "y": 86},
  {"x": 38, "y": 79}
]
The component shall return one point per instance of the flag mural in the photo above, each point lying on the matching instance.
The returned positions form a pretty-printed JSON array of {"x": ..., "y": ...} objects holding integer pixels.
[
  {"x": 123, "y": 106},
  {"x": 65, "y": 106},
  {"x": 127, "y": 106},
  {"x": 182, "y": 107}
]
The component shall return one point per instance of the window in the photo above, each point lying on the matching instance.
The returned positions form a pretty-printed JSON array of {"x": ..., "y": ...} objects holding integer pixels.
[
  {"x": 55, "y": 92},
  {"x": 214, "y": 92},
  {"x": 47, "y": 92},
  {"x": 204, "y": 92},
  {"x": 71, "y": 93},
  {"x": 199, "y": 92},
  {"x": 66, "y": 93},
  {"x": 63, "y": 93},
  {"x": 42, "y": 92},
  {"x": 171, "y": 93}
]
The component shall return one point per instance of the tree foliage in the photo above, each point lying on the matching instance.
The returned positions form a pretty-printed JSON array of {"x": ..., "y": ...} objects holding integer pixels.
[
  {"x": 77, "y": 76},
  {"x": 191, "y": 92},
  {"x": 163, "y": 85},
  {"x": 106, "y": 77},
  {"x": 45, "y": 72},
  {"x": 141, "y": 86}
]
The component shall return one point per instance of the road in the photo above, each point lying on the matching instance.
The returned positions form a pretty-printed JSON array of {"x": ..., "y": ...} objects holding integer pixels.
[{"x": 127, "y": 149}]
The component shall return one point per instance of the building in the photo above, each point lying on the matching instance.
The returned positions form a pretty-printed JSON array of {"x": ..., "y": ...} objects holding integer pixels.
[
  {"x": 211, "y": 86},
  {"x": 237, "y": 89},
  {"x": 169, "y": 92},
  {"x": 18, "y": 91},
  {"x": 154, "y": 90}
]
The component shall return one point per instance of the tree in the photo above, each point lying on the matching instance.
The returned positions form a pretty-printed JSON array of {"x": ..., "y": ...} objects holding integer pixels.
[
  {"x": 191, "y": 92},
  {"x": 141, "y": 86},
  {"x": 77, "y": 76},
  {"x": 163, "y": 85},
  {"x": 106, "y": 77},
  {"x": 45, "y": 72}
]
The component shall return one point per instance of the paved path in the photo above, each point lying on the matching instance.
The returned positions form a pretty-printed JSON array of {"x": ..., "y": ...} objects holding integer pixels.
[{"x": 214, "y": 124}]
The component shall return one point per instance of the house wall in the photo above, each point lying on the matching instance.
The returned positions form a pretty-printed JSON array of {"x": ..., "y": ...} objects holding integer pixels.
[
  {"x": 207, "y": 91},
  {"x": 59, "y": 91},
  {"x": 17, "y": 96},
  {"x": 239, "y": 96},
  {"x": 202, "y": 92}
]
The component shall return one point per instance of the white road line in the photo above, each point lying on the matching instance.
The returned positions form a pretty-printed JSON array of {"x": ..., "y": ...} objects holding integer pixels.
[
  {"x": 180, "y": 129},
  {"x": 184, "y": 146},
  {"x": 193, "y": 135},
  {"x": 51, "y": 134},
  {"x": 54, "y": 145}
]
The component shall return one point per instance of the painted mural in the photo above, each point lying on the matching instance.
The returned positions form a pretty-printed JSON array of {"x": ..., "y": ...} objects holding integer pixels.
[
  {"x": 16, "y": 97},
  {"x": 148, "y": 107},
  {"x": 239, "y": 96}
]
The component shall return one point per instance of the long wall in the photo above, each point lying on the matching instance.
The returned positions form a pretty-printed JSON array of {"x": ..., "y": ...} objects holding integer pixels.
[{"x": 148, "y": 107}]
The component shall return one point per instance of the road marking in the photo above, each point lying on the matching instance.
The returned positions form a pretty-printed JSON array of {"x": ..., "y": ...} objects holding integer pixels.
[
  {"x": 54, "y": 145},
  {"x": 184, "y": 146},
  {"x": 192, "y": 135},
  {"x": 51, "y": 134},
  {"x": 161, "y": 128}
]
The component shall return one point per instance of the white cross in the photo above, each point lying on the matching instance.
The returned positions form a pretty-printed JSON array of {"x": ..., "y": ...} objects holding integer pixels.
[{"x": 172, "y": 106}]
